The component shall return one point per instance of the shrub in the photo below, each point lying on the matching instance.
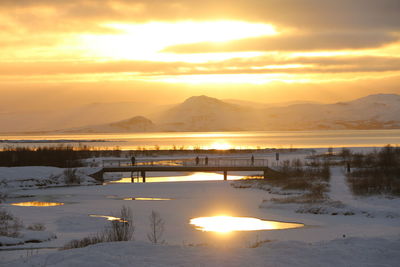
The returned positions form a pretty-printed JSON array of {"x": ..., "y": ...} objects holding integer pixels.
[
  {"x": 377, "y": 172},
  {"x": 156, "y": 228},
  {"x": 123, "y": 229},
  {"x": 9, "y": 225},
  {"x": 118, "y": 230},
  {"x": 70, "y": 176},
  {"x": 37, "y": 227},
  {"x": 84, "y": 242}
]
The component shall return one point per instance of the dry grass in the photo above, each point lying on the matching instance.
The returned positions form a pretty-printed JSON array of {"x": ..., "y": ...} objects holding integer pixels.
[{"x": 118, "y": 230}]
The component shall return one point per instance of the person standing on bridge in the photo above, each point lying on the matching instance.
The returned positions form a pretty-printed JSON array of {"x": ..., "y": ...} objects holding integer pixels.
[
  {"x": 197, "y": 160},
  {"x": 252, "y": 160},
  {"x": 133, "y": 160},
  {"x": 206, "y": 160}
]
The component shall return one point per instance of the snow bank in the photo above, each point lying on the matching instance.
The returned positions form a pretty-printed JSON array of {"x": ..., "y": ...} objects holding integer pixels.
[
  {"x": 39, "y": 176},
  {"x": 341, "y": 252},
  {"x": 27, "y": 236}
]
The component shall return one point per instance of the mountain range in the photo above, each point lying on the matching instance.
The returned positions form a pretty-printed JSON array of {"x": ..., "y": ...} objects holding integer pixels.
[{"x": 203, "y": 113}]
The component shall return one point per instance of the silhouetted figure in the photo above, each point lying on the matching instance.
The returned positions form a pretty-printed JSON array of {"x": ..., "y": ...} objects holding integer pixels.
[
  {"x": 252, "y": 160},
  {"x": 133, "y": 160},
  {"x": 348, "y": 167},
  {"x": 197, "y": 160},
  {"x": 206, "y": 160}
]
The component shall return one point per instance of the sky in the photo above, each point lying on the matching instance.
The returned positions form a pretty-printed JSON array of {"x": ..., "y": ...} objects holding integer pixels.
[{"x": 56, "y": 54}]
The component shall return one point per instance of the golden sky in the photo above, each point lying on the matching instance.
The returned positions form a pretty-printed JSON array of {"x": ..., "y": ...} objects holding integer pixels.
[{"x": 72, "y": 52}]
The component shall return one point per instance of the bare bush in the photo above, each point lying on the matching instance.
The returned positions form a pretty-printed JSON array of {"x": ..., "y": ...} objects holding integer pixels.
[
  {"x": 156, "y": 228},
  {"x": 37, "y": 227},
  {"x": 123, "y": 229},
  {"x": 9, "y": 225},
  {"x": 84, "y": 242},
  {"x": 118, "y": 230},
  {"x": 377, "y": 172},
  {"x": 70, "y": 176}
]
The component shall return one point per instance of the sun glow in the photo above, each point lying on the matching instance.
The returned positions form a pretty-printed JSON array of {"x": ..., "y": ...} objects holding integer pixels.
[
  {"x": 146, "y": 41},
  {"x": 226, "y": 224},
  {"x": 220, "y": 146}
]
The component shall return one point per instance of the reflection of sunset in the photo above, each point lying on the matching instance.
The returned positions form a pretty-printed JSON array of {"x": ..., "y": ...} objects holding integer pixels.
[
  {"x": 197, "y": 176},
  {"x": 37, "y": 204},
  {"x": 146, "y": 198},
  {"x": 225, "y": 224},
  {"x": 109, "y": 218}
]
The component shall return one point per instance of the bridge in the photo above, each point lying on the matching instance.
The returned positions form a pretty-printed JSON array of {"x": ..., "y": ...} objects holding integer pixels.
[{"x": 223, "y": 165}]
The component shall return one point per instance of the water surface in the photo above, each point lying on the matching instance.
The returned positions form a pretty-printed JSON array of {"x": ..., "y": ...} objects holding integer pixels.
[
  {"x": 219, "y": 140},
  {"x": 226, "y": 224}
]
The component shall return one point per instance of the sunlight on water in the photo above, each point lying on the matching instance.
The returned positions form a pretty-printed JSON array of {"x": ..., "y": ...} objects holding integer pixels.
[
  {"x": 238, "y": 140},
  {"x": 109, "y": 218},
  {"x": 197, "y": 176},
  {"x": 226, "y": 224},
  {"x": 37, "y": 204},
  {"x": 146, "y": 198}
]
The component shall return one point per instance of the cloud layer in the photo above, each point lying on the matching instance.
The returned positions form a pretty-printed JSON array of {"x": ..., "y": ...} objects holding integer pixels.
[{"x": 338, "y": 40}]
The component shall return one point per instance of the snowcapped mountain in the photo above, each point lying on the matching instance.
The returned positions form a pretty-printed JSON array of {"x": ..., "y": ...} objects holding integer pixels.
[
  {"x": 372, "y": 112},
  {"x": 203, "y": 113}
]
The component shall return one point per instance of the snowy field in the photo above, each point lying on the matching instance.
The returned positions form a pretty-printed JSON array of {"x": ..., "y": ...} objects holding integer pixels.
[{"x": 369, "y": 237}]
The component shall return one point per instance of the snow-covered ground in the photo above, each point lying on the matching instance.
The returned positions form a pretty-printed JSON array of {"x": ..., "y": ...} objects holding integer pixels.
[
  {"x": 344, "y": 252},
  {"x": 362, "y": 239}
]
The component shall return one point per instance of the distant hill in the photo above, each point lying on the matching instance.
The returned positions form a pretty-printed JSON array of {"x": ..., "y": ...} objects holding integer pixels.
[
  {"x": 135, "y": 124},
  {"x": 91, "y": 114},
  {"x": 379, "y": 111},
  {"x": 203, "y": 113}
]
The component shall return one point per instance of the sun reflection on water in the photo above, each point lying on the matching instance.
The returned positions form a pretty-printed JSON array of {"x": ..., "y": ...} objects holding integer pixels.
[
  {"x": 146, "y": 198},
  {"x": 226, "y": 224},
  {"x": 109, "y": 218},
  {"x": 197, "y": 176},
  {"x": 37, "y": 204}
]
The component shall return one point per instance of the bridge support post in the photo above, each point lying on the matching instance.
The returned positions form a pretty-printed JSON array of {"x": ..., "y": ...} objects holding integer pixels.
[
  {"x": 265, "y": 174},
  {"x": 143, "y": 176},
  {"x": 225, "y": 175}
]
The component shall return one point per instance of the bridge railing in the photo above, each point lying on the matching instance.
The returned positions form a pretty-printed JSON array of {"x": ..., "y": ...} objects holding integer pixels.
[{"x": 213, "y": 162}]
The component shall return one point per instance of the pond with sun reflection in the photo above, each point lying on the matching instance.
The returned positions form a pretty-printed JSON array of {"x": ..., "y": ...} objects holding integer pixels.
[
  {"x": 37, "y": 204},
  {"x": 226, "y": 224},
  {"x": 146, "y": 198},
  {"x": 197, "y": 176},
  {"x": 109, "y": 218}
]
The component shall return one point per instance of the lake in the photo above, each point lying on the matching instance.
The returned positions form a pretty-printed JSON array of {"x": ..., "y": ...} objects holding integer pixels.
[{"x": 214, "y": 140}]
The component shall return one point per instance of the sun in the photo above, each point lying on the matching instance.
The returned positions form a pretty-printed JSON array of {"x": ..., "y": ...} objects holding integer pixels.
[{"x": 221, "y": 146}]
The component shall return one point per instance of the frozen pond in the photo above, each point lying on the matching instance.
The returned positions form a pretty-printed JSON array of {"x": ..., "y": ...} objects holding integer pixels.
[
  {"x": 227, "y": 224},
  {"x": 179, "y": 177},
  {"x": 236, "y": 218},
  {"x": 37, "y": 204}
]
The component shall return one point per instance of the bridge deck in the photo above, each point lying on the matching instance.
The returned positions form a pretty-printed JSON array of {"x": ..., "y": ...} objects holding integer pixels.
[
  {"x": 184, "y": 168},
  {"x": 142, "y": 169}
]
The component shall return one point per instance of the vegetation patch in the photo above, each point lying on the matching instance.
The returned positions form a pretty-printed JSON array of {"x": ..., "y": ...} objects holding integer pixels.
[{"x": 375, "y": 173}]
